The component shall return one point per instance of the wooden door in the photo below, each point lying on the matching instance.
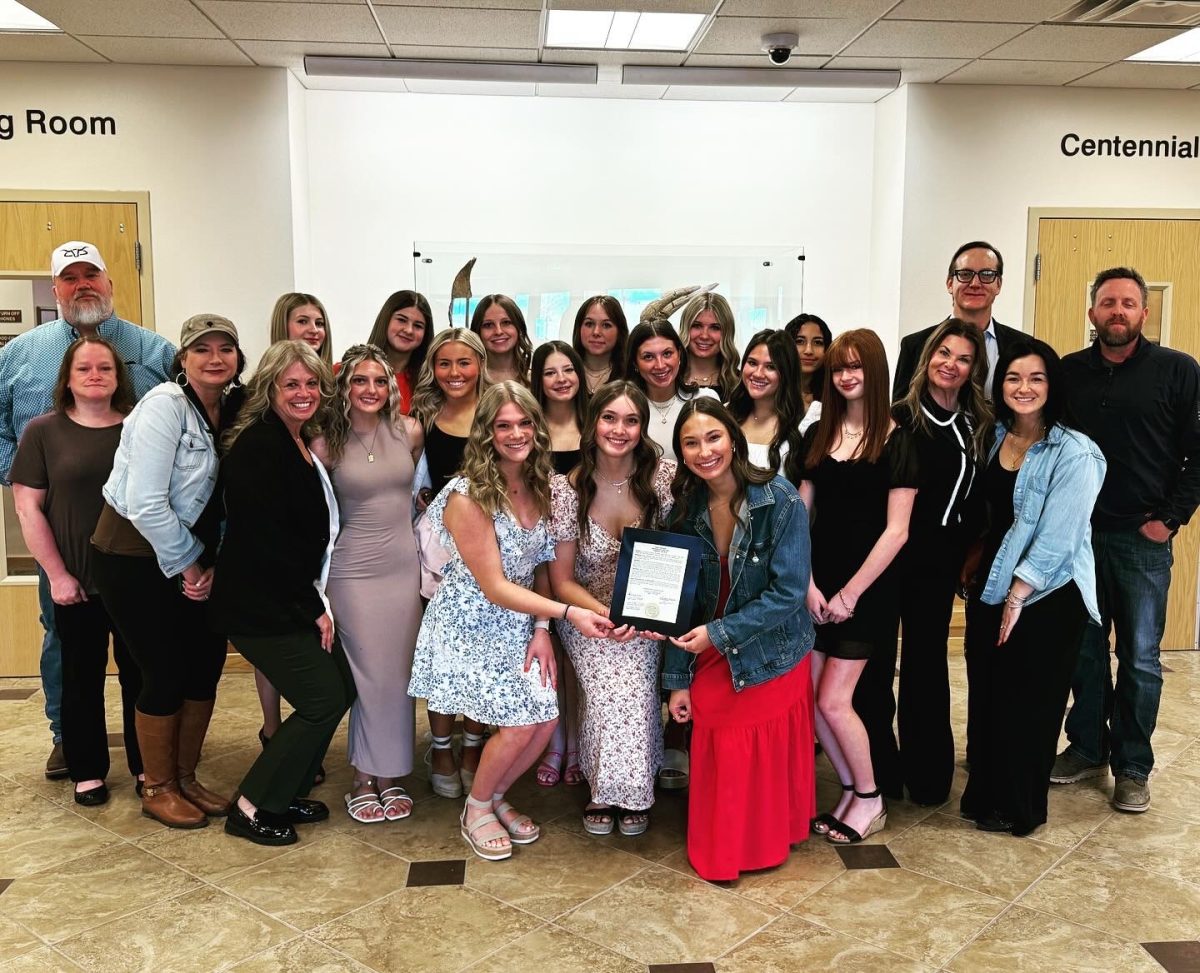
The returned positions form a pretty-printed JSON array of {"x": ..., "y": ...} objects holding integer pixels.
[
  {"x": 1072, "y": 252},
  {"x": 29, "y": 229}
]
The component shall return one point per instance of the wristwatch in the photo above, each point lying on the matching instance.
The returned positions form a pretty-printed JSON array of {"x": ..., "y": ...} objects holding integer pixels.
[{"x": 1172, "y": 524}]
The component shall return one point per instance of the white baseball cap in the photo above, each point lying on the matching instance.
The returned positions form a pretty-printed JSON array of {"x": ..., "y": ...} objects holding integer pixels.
[{"x": 76, "y": 251}]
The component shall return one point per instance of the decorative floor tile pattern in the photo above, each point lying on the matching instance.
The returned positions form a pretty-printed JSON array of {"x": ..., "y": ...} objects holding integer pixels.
[{"x": 106, "y": 889}]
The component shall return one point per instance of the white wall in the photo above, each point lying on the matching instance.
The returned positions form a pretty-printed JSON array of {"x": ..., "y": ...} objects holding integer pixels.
[
  {"x": 978, "y": 158},
  {"x": 887, "y": 219},
  {"x": 211, "y": 147},
  {"x": 386, "y": 170}
]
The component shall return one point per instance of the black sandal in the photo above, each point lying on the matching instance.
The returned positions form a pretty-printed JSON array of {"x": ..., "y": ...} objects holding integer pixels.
[
  {"x": 823, "y": 822},
  {"x": 852, "y": 837}
]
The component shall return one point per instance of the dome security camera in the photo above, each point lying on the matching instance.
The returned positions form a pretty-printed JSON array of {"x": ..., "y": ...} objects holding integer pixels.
[{"x": 779, "y": 47}]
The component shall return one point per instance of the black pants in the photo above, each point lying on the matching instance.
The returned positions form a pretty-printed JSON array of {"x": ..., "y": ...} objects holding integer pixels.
[
  {"x": 84, "y": 630},
  {"x": 928, "y": 567},
  {"x": 320, "y": 688},
  {"x": 1021, "y": 689},
  {"x": 167, "y": 634}
]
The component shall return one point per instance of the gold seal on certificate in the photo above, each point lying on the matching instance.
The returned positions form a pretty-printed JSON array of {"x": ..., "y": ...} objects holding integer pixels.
[{"x": 655, "y": 588}]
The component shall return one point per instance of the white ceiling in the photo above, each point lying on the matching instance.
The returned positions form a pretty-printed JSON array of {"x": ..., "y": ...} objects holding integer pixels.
[{"x": 1006, "y": 42}]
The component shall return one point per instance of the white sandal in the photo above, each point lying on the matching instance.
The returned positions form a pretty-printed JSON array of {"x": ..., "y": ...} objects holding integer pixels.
[
  {"x": 514, "y": 827},
  {"x": 356, "y": 806},
  {"x": 391, "y": 796},
  {"x": 468, "y": 832},
  {"x": 444, "y": 785}
]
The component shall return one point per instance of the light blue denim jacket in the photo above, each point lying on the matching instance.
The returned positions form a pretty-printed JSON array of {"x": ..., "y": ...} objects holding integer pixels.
[
  {"x": 1050, "y": 541},
  {"x": 164, "y": 473},
  {"x": 766, "y": 629}
]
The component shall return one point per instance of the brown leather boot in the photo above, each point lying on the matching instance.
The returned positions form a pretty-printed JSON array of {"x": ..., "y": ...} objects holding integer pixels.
[
  {"x": 193, "y": 725},
  {"x": 158, "y": 738}
]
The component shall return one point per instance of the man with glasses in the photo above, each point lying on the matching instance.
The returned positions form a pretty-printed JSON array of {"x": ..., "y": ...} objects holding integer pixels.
[
  {"x": 1141, "y": 404},
  {"x": 973, "y": 283}
]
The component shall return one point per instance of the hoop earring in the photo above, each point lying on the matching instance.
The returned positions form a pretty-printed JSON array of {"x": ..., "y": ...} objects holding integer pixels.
[{"x": 181, "y": 380}]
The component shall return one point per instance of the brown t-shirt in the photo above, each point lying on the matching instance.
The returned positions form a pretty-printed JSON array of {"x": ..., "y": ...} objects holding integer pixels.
[{"x": 71, "y": 463}]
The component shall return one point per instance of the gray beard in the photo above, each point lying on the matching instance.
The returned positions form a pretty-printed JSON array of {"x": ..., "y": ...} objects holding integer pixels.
[{"x": 87, "y": 313}]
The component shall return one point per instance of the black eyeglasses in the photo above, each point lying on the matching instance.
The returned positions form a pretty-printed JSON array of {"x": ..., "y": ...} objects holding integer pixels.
[{"x": 985, "y": 276}]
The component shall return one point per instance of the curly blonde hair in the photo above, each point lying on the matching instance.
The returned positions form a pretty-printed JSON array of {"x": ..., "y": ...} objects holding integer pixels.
[
  {"x": 480, "y": 465},
  {"x": 337, "y": 422},
  {"x": 276, "y": 360},
  {"x": 728, "y": 356},
  {"x": 428, "y": 398}
]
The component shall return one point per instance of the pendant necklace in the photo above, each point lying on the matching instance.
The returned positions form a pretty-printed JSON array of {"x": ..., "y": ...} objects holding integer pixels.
[
  {"x": 662, "y": 413},
  {"x": 617, "y": 485},
  {"x": 371, "y": 450},
  {"x": 847, "y": 434}
]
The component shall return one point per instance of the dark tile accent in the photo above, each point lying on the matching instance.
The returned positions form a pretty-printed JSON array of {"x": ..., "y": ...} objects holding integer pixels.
[
  {"x": 16, "y": 693},
  {"x": 867, "y": 856},
  {"x": 450, "y": 872},
  {"x": 1177, "y": 957},
  {"x": 5, "y": 883},
  {"x": 116, "y": 740},
  {"x": 682, "y": 968}
]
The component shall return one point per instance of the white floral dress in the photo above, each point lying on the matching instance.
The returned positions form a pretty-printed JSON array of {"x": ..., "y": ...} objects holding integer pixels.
[
  {"x": 620, "y": 710},
  {"x": 470, "y": 652}
]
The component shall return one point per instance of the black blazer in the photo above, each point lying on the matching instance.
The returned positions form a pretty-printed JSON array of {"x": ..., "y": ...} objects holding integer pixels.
[
  {"x": 276, "y": 533},
  {"x": 912, "y": 346}
]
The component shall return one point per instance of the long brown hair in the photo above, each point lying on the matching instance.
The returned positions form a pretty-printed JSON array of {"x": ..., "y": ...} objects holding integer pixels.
[
  {"x": 686, "y": 486},
  {"x": 485, "y": 483},
  {"x": 282, "y": 311},
  {"x": 861, "y": 346},
  {"x": 971, "y": 397},
  {"x": 616, "y": 314},
  {"x": 400, "y": 301},
  {"x": 789, "y": 403},
  {"x": 538, "y": 385},
  {"x": 523, "y": 351},
  {"x": 647, "y": 454},
  {"x": 122, "y": 398}
]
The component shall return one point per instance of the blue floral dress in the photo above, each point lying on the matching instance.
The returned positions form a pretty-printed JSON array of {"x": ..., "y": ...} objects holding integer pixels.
[{"x": 470, "y": 652}]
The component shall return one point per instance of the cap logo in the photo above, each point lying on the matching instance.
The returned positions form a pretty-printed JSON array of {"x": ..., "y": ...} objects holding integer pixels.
[{"x": 77, "y": 252}]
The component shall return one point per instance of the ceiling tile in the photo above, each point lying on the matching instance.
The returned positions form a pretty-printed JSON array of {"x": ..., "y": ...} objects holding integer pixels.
[
  {"x": 567, "y": 55},
  {"x": 425, "y": 53},
  {"x": 1135, "y": 75},
  {"x": 689, "y": 92},
  {"x": 1048, "y": 41},
  {"x": 1021, "y": 72},
  {"x": 857, "y": 9},
  {"x": 482, "y": 4},
  {"x": 623, "y": 92},
  {"x": 658, "y": 6},
  {"x": 167, "y": 50},
  {"x": 904, "y": 38},
  {"x": 466, "y": 28},
  {"x": 913, "y": 70},
  {"x": 290, "y": 54},
  {"x": 130, "y": 18},
  {"x": 752, "y": 61},
  {"x": 994, "y": 11},
  {"x": 276, "y": 21},
  {"x": 51, "y": 47},
  {"x": 743, "y": 35}
]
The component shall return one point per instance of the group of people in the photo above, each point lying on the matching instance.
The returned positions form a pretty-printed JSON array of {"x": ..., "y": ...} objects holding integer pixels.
[{"x": 440, "y": 517}]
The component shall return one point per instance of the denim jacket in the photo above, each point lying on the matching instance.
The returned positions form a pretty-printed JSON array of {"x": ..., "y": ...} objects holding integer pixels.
[
  {"x": 1050, "y": 541},
  {"x": 164, "y": 473},
  {"x": 766, "y": 630}
]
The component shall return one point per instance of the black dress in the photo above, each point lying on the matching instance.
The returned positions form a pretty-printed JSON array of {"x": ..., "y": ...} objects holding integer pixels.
[
  {"x": 565, "y": 460},
  {"x": 1022, "y": 686},
  {"x": 850, "y": 513},
  {"x": 444, "y": 454}
]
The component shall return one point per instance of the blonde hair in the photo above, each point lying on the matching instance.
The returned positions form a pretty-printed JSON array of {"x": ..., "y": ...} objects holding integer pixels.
[
  {"x": 284, "y": 307},
  {"x": 428, "y": 397},
  {"x": 337, "y": 423},
  {"x": 728, "y": 356},
  {"x": 480, "y": 465},
  {"x": 276, "y": 360}
]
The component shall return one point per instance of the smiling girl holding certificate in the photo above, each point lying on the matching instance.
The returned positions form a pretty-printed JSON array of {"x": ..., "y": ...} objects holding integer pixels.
[{"x": 742, "y": 676}]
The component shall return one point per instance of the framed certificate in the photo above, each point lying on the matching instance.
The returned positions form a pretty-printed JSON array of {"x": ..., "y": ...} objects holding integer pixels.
[{"x": 657, "y": 573}]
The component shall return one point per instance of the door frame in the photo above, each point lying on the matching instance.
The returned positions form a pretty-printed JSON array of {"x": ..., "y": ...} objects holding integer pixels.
[
  {"x": 140, "y": 199},
  {"x": 1036, "y": 214}
]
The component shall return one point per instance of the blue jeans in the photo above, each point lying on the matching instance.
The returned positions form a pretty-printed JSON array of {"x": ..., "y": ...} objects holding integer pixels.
[
  {"x": 1116, "y": 723},
  {"x": 51, "y": 663}
]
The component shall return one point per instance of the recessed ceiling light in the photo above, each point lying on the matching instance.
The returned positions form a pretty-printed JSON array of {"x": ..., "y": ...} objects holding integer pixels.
[
  {"x": 621, "y": 30},
  {"x": 14, "y": 17},
  {"x": 1181, "y": 49}
]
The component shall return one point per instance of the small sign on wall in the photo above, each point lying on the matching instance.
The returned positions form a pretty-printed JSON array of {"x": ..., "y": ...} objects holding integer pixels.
[{"x": 10, "y": 315}]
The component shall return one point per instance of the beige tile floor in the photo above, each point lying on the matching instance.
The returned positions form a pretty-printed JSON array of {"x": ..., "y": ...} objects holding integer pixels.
[{"x": 109, "y": 890}]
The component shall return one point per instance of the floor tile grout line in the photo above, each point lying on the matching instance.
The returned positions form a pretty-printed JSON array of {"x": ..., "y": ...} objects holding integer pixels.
[{"x": 479, "y": 959}]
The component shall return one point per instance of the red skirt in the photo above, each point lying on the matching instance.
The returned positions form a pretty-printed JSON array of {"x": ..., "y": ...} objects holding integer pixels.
[{"x": 753, "y": 787}]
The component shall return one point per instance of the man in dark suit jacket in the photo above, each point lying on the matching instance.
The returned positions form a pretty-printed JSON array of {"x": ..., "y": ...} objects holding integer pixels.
[{"x": 971, "y": 297}]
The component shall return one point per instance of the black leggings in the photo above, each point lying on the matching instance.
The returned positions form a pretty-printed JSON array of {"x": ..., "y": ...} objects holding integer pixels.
[{"x": 167, "y": 634}]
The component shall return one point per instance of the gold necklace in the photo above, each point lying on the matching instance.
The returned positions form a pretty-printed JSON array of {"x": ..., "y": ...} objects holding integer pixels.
[
  {"x": 847, "y": 434},
  {"x": 615, "y": 485},
  {"x": 597, "y": 377},
  {"x": 662, "y": 413},
  {"x": 371, "y": 450}
]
